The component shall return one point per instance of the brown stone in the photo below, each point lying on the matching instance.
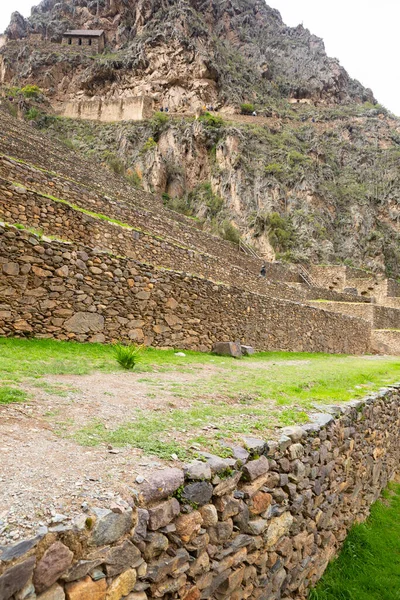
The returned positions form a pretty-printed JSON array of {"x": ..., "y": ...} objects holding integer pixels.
[
  {"x": 277, "y": 528},
  {"x": 227, "y": 486},
  {"x": 122, "y": 585},
  {"x": 121, "y": 557},
  {"x": 161, "y": 515},
  {"x": 56, "y": 560},
  {"x": 86, "y": 589},
  {"x": 192, "y": 594},
  {"x": 16, "y": 578},
  {"x": 255, "y": 468},
  {"x": 56, "y": 592},
  {"x": 260, "y": 502},
  {"x": 228, "y": 349},
  {"x": 188, "y": 525},
  {"x": 209, "y": 515},
  {"x": 11, "y": 268}
]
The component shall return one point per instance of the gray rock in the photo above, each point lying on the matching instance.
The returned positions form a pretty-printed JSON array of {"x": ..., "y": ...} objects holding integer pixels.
[
  {"x": 284, "y": 443},
  {"x": 164, "y": 513},
  {"x": 110, "y": 526},
  {"x": 228, "y": 485},
  {"x": 15, "y": 579},
  {"x": 295, "y": 433},
  {"x": 122, "y": 557},
  {"x": 199, "y": 493},
  {"x": 321, "y": 419},
  {"x": 254, "y": 445},
  {"x": 11, "y": 552},
  {"x": 255, "y": 468},
  {"x": 80, "y": 569},
  {"x": 160, "y": 485},
  {"x": 240, "y": 453},
  {"x": 216, "y": 463},
  {"x": 140, "y": 531},
  {"x": 247, "y": 350},
  {"x": 197, "y": 470},
  {"x": 228, "y": 349},
  {"x": 158, "y": 571}
]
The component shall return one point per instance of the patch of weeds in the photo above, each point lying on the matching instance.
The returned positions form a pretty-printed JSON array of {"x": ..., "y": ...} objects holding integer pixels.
[
  {"x": 127, "y": 356},
  {"x": 9, "y": 395}
]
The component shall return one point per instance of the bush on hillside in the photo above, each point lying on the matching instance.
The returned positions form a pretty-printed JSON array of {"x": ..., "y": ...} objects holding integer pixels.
[{"x": 247, "y": 109}]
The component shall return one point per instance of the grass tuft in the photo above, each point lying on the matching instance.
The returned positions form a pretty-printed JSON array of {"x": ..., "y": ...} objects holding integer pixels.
[
  {"x": 127, "y": 356},
  {"x": 8, "y": 395}
]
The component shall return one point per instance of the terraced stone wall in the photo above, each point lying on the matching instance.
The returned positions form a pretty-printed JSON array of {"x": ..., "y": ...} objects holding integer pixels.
[
  {"x": 66, "y": 291},
  {"x": 380, "y": 317},
  {"x": 21, "y": 206},
  {"x": 261, "y": 525}
]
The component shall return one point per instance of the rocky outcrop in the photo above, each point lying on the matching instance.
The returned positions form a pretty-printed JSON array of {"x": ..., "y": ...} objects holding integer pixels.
[{"x": 189, "y": 54}]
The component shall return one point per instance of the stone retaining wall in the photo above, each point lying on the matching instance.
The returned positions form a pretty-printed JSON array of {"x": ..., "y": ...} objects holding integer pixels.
[
  {"x": 18, "y": 205},
  {"x": 54, "y": 289},
  {"x": 380, "y": 317},
  {"x": 262, "y": 524}
]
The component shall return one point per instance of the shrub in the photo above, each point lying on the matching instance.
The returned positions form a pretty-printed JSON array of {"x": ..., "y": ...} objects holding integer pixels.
[
  {"x": 211, "y": 120},
  {"x": 32, "y": 114},
  {"x": 30, "y": 91},
  {"x": 127, "y": 356},
  {"x": 116, "y": 165},
  {"x": 230, "y": 232},
  {"x": 247, "y": 109},
  {"x": 274, "y": 169},
  {"x": 134, "y": 179},
  {"x": 149, "y": 145},
  {"x": 159, "y": 118}
]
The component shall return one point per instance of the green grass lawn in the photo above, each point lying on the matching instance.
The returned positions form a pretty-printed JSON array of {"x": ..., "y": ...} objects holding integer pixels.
[
  {"x": 248, "y": 396},
  {"x": 368, "y": 568}
]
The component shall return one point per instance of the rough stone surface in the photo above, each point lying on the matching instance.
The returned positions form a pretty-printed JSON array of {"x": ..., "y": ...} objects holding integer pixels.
[
  {"x": 162, "y": 514},
  {"x": 228, "y": 349},
  {"x": 56, "y": 561},
  {"x": 197, "y": 470},
  {"x": 87, "y": 589},
  {"x": 256, "y": 468},
  {"x": 56, "y": 592},
  {"x": 161, "y": 485},
  {"x": 15, "y": 578},
  {"x": 198, "y": 493},
  {"x": 122, "y": 557},
  {"x": 110, "y": 526},
  {"x": 84, "y": 322},
  {"x": 122, "y": 585}
]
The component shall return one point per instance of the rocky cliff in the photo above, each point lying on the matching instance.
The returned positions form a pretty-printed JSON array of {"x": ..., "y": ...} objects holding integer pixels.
[{"x": 313, "y": 177}]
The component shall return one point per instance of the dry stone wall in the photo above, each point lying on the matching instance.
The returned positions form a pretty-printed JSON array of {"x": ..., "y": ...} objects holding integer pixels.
[
  {"x": 21, "y": 206},
  {"x": 380, "y": 317},
  {"x": 67, "y": 291},
  {"x": 261, "y": 525}
]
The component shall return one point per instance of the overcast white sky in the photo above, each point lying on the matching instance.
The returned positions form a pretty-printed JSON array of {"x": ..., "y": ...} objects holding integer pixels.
[{"x": 362, "y": 34}]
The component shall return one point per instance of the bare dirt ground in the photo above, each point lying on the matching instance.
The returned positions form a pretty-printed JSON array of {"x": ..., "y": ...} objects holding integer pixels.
[{"x": 44, "y": 473}]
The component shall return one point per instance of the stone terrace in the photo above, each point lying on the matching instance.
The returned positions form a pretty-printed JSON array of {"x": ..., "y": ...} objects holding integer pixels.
[{"x": 62, "y": 196}]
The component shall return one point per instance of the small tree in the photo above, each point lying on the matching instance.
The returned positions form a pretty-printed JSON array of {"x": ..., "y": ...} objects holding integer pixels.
[{"x": 247, "y": 109}]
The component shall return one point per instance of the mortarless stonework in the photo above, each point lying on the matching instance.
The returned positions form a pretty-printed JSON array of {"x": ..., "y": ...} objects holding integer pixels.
[
  {"x": 262, "y": 527},
  {"x": 54, "y": 289}
]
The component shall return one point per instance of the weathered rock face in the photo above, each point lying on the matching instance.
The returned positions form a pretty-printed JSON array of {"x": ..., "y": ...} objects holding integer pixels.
[
  {"x": 217, "y": 52},
  {"x": 268, "y": 530}
]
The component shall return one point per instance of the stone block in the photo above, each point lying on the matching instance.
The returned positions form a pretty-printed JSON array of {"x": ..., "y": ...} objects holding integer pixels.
[
  {"x": 160, "y": 570},
  {"x": 85, "y": 322},
  {"x": 198, "y": 493},
  {"x": 188, "y": 525},
  {"x": 209, "y": 515},
  {"x": 164, "y": 513},
  {"x": 122, "y": 585},
  {"x": 278, "y": 527},
  {"x": 197, "y": 470},
  {"x": 228, "y": 349},
  {"x": 110, "y": 526},
  {"x": 122, "y": 557},
  {"x": 255, "y": 468},
  {"x": 160, "y": 485},
  {"x": 56, "y": 592},
  {"x": 14, "y": 579},
  {"x": 247, "y": 350},
  {"x": 55, "y": 562}
]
